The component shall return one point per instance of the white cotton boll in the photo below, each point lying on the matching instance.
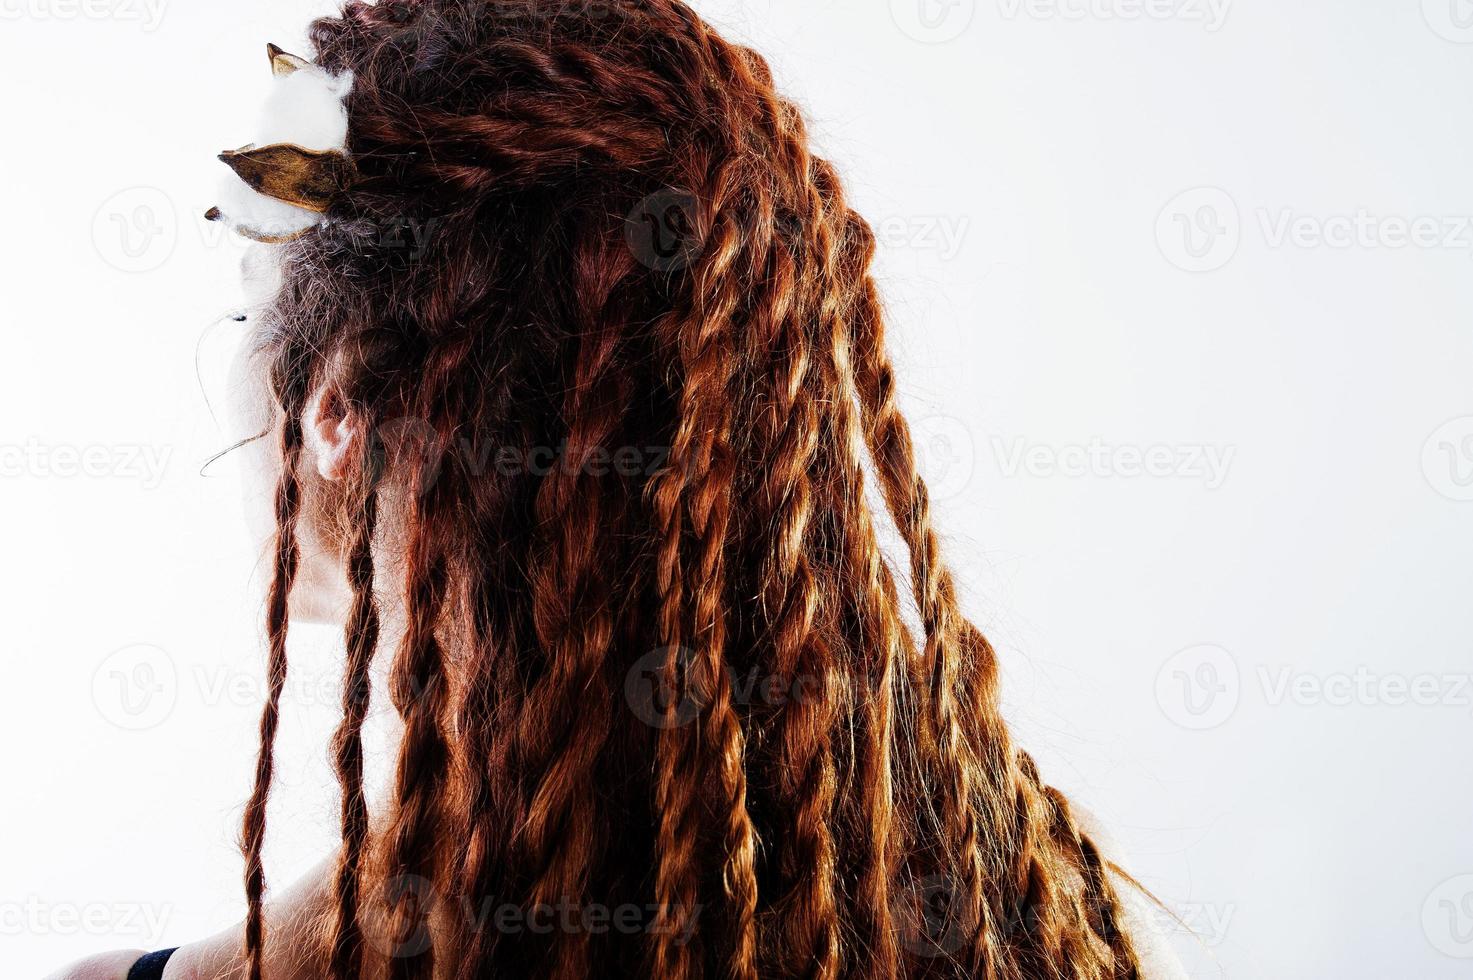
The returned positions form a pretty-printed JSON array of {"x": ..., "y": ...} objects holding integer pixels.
[
  {"x": 243, "y": 208},
  {"x": 306, "y": 108}
]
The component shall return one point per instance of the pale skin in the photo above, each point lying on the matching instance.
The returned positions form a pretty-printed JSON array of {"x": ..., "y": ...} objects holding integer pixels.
[{"x": 321, "y": 594}]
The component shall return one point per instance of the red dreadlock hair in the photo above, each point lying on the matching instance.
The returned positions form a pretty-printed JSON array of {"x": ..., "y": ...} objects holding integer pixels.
[{"x": 643, "y": 359}]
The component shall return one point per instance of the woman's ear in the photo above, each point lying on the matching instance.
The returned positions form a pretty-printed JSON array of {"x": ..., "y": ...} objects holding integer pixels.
[{"x": 333, "y": 434}]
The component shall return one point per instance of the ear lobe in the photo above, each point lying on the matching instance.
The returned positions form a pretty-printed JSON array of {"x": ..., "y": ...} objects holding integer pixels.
[{"x": 334, "y": 435}]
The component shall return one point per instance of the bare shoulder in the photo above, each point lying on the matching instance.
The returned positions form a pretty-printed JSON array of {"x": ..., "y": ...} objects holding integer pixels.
[
  {"x": 209, "y": 959},
  {"x": 1143, "y": 917},
  {"x": 104, "y": 966}
]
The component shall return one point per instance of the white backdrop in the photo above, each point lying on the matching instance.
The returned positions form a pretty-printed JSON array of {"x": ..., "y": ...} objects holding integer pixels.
[{"x": 1182, "y": 295}]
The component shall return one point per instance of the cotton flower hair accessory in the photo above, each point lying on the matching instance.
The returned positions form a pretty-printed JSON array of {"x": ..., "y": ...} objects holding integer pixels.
[{"x": 282, "y": 184}]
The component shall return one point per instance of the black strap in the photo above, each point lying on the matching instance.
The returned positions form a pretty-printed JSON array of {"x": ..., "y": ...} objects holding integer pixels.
[{"x": 151, "y": 967}]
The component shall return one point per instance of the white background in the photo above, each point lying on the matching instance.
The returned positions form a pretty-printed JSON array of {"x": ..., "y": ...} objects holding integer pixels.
[{"x": 1111, "y": 230}]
